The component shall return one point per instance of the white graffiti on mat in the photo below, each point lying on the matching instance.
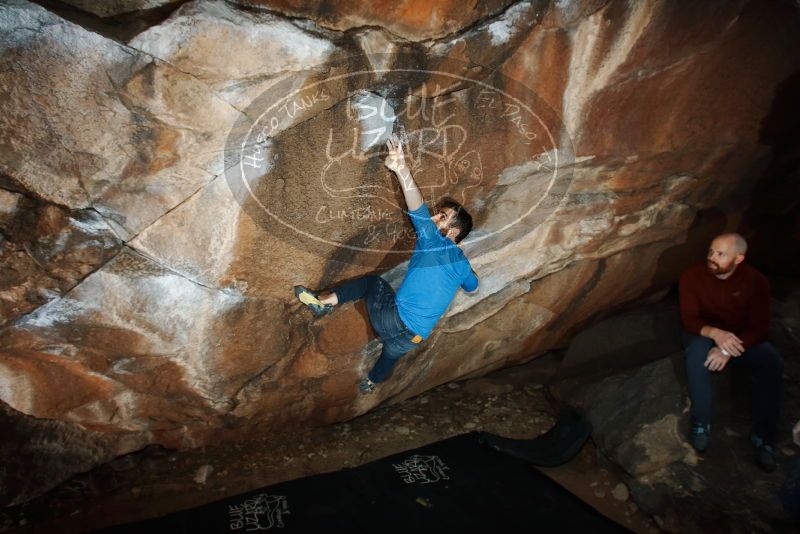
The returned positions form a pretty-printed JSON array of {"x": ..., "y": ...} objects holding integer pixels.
[
  {"x": 422, "y": 469},
  {"x": 260, "y": 512}
]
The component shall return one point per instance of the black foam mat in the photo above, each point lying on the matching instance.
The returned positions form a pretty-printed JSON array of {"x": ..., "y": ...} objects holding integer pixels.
[{"x": 458, "y": 483}]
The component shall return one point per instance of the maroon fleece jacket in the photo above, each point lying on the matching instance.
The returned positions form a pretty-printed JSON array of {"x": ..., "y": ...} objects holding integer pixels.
[{"x": 738, "y": 304}]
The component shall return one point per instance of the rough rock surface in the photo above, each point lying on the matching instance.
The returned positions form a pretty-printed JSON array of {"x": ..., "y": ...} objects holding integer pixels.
[
  {"x": 638, "y": 420},
  {"x": 108, "y": 8},
  {"x": 156, "y": 481},
  {"x": 624, "y": 341},
  {"x": 414, "y": 20},
  {"x": 45, "y": 250},
  {"x": 598, "y": 144},
  {"x": 775, "y": 209},
  {"x": 37, "y": 454},
  {"x": 236, "y": 53},
  {"x": 89, "y": 122}
]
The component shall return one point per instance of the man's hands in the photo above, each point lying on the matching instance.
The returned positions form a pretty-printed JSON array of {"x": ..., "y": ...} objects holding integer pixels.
[
  {"x": 725, "y": 340},
  {"x": 716, "y": 361},
  {"x": 395, "y": 160},
  {"x": 728, "y": 346}
]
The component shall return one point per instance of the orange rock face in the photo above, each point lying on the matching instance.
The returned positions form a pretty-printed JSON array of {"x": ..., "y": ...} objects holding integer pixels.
[
  {"x": 159, "y": 198},
  {"x": 415, "y": 20},
  {"x": 46, "y": 250}
]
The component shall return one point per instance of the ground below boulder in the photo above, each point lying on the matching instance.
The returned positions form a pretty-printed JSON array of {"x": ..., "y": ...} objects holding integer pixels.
[
  {"x": 638, "y": 469},
  {"x": 641, "y": 420}
]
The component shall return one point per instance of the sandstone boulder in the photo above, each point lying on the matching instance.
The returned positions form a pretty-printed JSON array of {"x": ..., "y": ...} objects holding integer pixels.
[
  {"x": 161, "y": 197},
  {"x": 639, "y": 420},
  {"x": 110, "y": 8},
  {"x": 46, "y": 250},
  {"x": 237, "y": 53},
  {"x": 38, "y": 454},
  {"x": 89, "y": 122},
  {"x": 411, "y": 19}
]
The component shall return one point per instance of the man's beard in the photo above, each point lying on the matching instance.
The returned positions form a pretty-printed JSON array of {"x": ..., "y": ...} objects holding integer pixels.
[{"x": 716, "y": 268}]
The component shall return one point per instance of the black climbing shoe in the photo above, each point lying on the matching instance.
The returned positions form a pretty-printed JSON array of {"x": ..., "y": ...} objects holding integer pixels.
[
  {"x": 700, "y": 436},
  {"x": 309, "y": 298},
  {"x": 765, "y": 454},
  {"x": 366, "y": 386}
]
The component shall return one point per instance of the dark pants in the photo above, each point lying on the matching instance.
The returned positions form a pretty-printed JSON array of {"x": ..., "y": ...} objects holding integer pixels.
[
  {"x": 762, "y": 359},
  {"x": 382, "y": 309}
]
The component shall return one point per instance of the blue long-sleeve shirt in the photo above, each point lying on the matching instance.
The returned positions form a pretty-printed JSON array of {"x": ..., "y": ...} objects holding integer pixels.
[{"x": 437, "y": 269}]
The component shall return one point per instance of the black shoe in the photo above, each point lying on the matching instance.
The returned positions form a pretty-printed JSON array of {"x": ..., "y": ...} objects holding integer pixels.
[
  {"x": 366, "y": 386},
  {"x": 765, "y": 454},
  {"x": 309, "y": 298},
  {"x": 700, "y": 436}
]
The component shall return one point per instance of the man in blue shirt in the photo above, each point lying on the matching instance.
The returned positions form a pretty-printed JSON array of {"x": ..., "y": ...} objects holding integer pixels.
[{"x": 437, "y": 269}]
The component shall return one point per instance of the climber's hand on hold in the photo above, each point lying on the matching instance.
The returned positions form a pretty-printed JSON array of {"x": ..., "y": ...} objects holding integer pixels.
[{"x": 395, "y": 160}]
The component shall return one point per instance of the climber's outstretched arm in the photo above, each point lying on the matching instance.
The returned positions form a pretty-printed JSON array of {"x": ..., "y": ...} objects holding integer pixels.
[{"x": 396, "y": 162}]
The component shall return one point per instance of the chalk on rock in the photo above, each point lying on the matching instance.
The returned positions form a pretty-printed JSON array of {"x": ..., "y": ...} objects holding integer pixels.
[
  {"x": 376, "y": 118},
  {"x": 202, "y": 473},
  {"x": 620, "y": 492}
]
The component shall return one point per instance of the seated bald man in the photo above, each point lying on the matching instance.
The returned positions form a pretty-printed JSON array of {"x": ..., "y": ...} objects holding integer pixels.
[{"x": 725, "y": 312}]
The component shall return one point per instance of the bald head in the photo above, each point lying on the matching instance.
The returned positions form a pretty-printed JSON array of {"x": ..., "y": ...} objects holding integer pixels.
[
  {"x": 735, "y": 241},
  {"x": 726, "y": 252}
]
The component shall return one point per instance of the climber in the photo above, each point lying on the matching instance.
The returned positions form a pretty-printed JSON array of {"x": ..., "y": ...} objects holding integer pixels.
[
  {"x": 436, "y": 270},
  {"x": 725, "y": 312}
]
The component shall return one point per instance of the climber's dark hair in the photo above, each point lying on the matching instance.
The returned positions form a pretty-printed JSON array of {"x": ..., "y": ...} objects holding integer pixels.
[{"x": 462, "y": 219}]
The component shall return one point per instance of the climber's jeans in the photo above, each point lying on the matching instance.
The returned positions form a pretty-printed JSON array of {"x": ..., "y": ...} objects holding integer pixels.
[
  {"x": 382, "y": 308},
  {"x": 763, "y": 360}
]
